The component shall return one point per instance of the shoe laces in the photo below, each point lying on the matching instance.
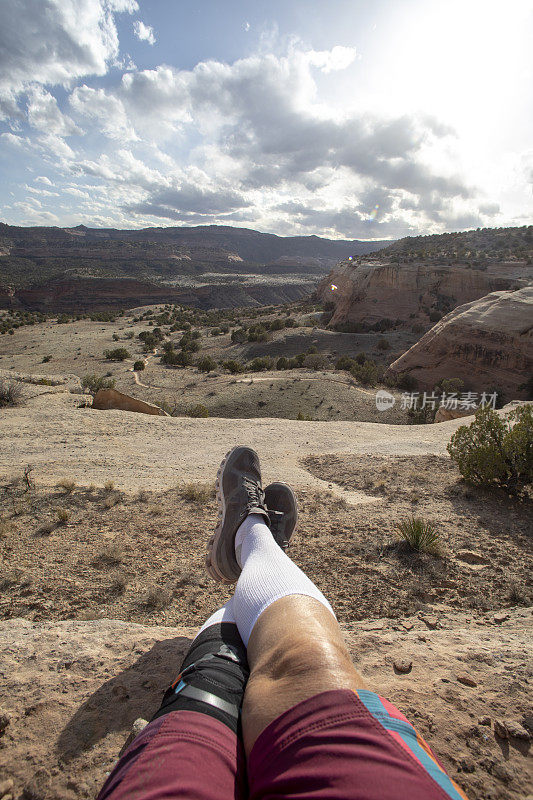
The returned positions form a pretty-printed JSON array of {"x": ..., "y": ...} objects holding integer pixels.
[{"x": 253, "y": 490}]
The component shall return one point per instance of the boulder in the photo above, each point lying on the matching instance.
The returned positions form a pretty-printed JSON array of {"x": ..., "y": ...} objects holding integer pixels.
[
  {"x": 107, "y": 399},
  {"x": 487, "y": 343}
]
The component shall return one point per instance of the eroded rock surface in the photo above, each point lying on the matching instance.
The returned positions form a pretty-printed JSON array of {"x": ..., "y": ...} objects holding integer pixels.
[
  {"x": 487, "y": 343},
  {"x": 369, "y": 293},
  {"x": 73, "y": 690}
]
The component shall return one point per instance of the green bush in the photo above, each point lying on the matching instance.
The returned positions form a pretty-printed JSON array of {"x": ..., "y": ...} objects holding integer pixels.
[
  {"x": 261, "y": 364},
  {"x": 118, "y": 354},
  {"x": 367, "y": 373},
  {"x": 233, "y": 366},
  {"x": 420, "y": 535},
  {"x": 383, "y": 344},
  {"x": 344, "y": 362},
  {"x": 139, "y": 366},
  {"x": 197, "y": 410},
  {"x": 238, "y": 336},
  {"x": 282, "y": 363},
  {"x": 206, "y": 364},
  {"x": 92, "y": 383},
  {"x": 492, "y": 451}
]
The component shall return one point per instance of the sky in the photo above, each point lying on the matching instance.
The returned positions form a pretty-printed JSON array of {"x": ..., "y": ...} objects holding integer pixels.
[{"x": 348, "y": 119}]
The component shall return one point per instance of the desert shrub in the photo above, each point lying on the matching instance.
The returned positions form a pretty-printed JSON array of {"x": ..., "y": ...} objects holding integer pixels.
[
  {"x": 282, "y": 363},
  {"x": 139, "y": 366},
  {"x": 315, "y": 361},
  {"x": 383, "y": 344},
  {"x": 450, "y": 385},
  {"x": 233, "y": 366},
  {"x": 238, "y": 336},
  {"x": 344, "y": 362},
  {"x": 406, "y": 382},
  {"x": 206, "y": 364},
  {"x": 109, "y": 556},
  {"x": 62, "y": 516},
  {"x": 261, "y": 364},
  {"x": 421, "y": 416},
  {"x": 10, "y": 394},
  {"x": 492, "y": 451},
  {"x": 420, "y": 535},
  {"x": 367, "y": 373},
  {"x": 46, "y": 359},
  {"x": 257, "y": 333},
  {"x": 157, "y": 598},
  {"x": 173, "y": 359},
  {"x": 109, "y": 486},
  {"x": 118, "y": 354},
  {"x": 196, "y": 492},
  {"x": 67, "y": 485},
  {"x": 92, "y": 383},
  {"x": 197, "y": 410},
  {"x": 434, "y": 316},
  {"x": 291, "y": 323},
  {"x": 119, "y": 582},
  {"x": 115, "y": 337}
]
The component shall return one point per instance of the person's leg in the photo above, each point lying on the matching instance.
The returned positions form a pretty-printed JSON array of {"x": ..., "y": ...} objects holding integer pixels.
[
  {"x": 310, "y": 725},
  {"x": 294, "y": 644},
  {"x": 193, "y": 745}
]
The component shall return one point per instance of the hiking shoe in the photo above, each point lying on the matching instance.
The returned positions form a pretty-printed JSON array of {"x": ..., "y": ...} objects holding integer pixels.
[
  {"x": 283, "y": 512},
  {"x": 239, "y": 493}
]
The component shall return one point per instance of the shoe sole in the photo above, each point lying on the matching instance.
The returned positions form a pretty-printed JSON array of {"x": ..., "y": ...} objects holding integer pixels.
[
  {"x": 213, "y": 542},
  {"x": 290, "y": 491}
]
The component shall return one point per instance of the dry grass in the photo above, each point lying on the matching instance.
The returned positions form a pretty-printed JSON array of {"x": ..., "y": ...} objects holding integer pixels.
[
  {"x": 155, "y": 511},
  {"x": 110, "y": 556},
  {"x": 197, "y": 492},
  {"x": 157, "y": 598},
  {"x": 62, "y": 516},
  {"x": 109, "y": 486},
  {"x": 67, "y": 485}
]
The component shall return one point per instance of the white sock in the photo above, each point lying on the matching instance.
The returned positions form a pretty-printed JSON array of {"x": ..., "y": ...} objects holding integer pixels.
[
  {"x": 224, "y": 614},
  {"x": 268, "y": 574}
]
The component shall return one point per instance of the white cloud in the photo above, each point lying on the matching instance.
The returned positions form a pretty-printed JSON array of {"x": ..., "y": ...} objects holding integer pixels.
[
  {"x": 44, "y": 114},
  {"x": 57, "y": 41},
  {"x": 144, "y": 32},
  {"x": 44, "y": 179},
  {"x": 106, "y": 109}
]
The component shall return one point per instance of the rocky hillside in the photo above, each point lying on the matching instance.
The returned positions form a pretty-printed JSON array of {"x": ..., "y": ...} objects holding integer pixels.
[
  {"x": 416, "y": 281},
  {"x": 29, "y": 255},
  {"x": 365, "y": 295},
  {"x": 477, "y": 248},
  {"x": 487, "y": 343}
]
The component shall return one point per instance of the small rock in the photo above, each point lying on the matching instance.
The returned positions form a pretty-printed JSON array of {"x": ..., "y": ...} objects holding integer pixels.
[
  {"x": 403, "y": 666},
  {"x": 5, "y": 786},
  {"x": 136, "y": 728},
  {"x": 472, "y": 557},
  {"x": 484, "y": 721},
  {"x": 527, "y": 722},
  {"x": 500, "y": 729},
  {"x": 5, "y": 719},
  {"x": 407, "y": 626},
  {"x": 516, "y": 731},
  {"x": 373, "y": 626},
  {"x": 431, "y": 620},
  {"x": 466, "y": 680},
  {"x": 501, "y": 617}
]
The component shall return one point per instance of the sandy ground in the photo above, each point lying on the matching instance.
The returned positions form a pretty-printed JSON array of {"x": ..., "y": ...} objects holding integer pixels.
[{"x": 137, "y": 452}]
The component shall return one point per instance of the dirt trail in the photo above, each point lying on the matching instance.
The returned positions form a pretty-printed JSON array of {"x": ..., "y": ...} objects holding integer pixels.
[{"x": 136, "y": 451}]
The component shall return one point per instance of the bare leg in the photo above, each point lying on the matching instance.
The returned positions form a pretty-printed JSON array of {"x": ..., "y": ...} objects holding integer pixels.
[{"x": 296, "y": 650}]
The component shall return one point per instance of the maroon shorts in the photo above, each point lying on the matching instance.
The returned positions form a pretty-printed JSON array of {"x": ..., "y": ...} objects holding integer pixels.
[{"x": 335, "y": 745}]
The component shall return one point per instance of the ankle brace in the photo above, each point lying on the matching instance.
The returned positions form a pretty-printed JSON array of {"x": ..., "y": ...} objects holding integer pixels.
[{"x": 212, "y": 677}]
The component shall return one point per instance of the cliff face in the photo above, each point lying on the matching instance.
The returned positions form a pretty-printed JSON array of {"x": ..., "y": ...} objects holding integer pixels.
[
  {"x": 369, "y": 293},
  {"x": 90, "y": 295},
  {"x": 487, "y": 343}
]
